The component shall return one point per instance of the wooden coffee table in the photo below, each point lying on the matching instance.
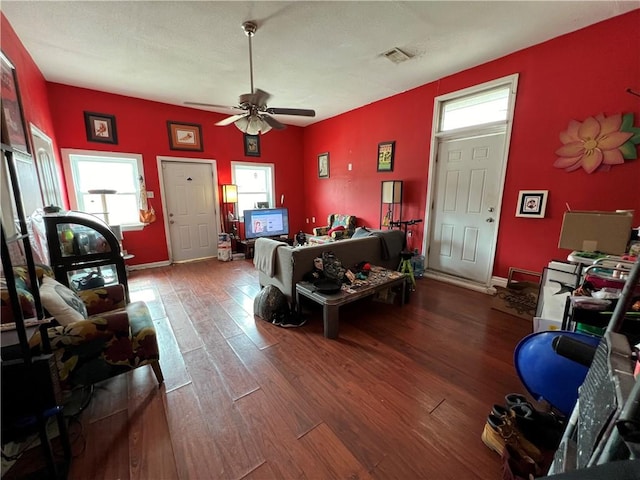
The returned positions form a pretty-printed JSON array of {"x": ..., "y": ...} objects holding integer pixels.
[{"x": 379, "y": 279}]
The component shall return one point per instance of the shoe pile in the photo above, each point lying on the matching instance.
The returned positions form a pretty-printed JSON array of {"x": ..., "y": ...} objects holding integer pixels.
[{"x": 524, "y": 437}]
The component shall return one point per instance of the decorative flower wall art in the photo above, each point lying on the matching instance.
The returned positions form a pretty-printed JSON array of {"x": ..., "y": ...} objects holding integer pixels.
[{"x": 598, "y": 142}]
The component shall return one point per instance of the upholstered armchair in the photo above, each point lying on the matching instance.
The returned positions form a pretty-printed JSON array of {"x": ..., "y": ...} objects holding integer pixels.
[
  {"x": 101, "y": 338},
  {"x": 339, "y": 227}
]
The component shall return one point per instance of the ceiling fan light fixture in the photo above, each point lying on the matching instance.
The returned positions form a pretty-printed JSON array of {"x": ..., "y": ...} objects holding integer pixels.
[
  {"x": 252, "y": 125},
  {"x": 265, "y": 126},
  {"x": 242, "y": 124}
]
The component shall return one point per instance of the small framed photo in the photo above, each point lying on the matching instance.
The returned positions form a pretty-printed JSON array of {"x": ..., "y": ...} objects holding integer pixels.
[
  {"x": 532, "y": 203},
  {"x": 385, "y": 156},
  {"x": 100, "y": 127},
  {"x": 185, "y": 136},
  {"x": 251, "y": 145},
  {"x": 323, "y": 165}
]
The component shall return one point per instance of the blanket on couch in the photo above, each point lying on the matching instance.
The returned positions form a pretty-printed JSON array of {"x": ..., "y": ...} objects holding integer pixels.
[
  {"x": 391, "y": 241},
  {"x": 265, "y": 254}
]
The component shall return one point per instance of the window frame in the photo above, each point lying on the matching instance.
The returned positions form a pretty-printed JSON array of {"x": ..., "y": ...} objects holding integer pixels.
[
  {"x": 470, "y": 96},
  {"x": 71, "y": 178},
  {"x": 271, "y": 182}
]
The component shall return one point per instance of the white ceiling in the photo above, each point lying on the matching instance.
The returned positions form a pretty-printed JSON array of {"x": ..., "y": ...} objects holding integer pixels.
[{"x": 321, "y": 55}]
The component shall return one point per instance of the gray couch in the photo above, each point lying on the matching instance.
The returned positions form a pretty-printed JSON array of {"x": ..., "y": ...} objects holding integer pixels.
[{"x": 290, "y": 264}]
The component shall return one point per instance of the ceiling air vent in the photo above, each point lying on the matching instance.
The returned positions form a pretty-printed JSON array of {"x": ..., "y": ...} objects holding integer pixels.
[{"x": 396, "y": 55}]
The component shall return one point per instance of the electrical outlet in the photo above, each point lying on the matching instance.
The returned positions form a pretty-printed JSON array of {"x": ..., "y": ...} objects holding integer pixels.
[
  {"x": 350, "y": 167},
  {"x": 150, "y": 194},
  {"x": 409, "y": 234},
  {"x": 307, "y": 220},
  {"x": 313, "y": 219}
]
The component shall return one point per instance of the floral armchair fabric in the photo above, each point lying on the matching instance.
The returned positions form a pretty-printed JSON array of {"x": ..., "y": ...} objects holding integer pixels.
[
  {"x": 23, "y": 288},
  {"x": 339, "y": 226},
  {"x": 115, "y": 338},
  {"x": 104, "y": 345}
]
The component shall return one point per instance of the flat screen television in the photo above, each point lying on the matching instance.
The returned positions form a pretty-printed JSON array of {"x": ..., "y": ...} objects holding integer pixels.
[{"x": 266, "y": 222}]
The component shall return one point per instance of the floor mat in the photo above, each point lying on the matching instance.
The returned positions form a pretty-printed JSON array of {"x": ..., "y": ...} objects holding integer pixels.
[{"x": 520, "y": 300}]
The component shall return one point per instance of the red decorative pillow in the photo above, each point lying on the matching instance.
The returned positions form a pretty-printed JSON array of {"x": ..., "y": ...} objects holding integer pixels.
[{"x": 336, "y": 229}]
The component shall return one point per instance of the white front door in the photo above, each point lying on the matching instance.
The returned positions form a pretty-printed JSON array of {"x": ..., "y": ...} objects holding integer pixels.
[
  {"x": 190, "y": 209},
  {"x": 467, "y": 190}
]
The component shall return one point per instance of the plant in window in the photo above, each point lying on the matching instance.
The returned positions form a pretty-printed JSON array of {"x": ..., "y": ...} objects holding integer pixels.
[{"x": 597, "y": 143}]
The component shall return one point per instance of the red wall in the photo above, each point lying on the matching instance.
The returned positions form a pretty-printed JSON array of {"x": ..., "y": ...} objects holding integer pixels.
[
  {"x": 142, "y": 128},
  {"x": 571, "y": 77},
  {"x": 32, "y": 86}
]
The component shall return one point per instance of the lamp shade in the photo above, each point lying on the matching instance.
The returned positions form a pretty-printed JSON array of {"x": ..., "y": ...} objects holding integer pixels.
[
  {"x": 230, "y": 193},
  {"x": 392, "y": 191},
  {"x": 252, "y": 124}
]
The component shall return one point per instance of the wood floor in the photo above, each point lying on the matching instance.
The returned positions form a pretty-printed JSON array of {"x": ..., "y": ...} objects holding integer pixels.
[{"x": 402, "y": 394}]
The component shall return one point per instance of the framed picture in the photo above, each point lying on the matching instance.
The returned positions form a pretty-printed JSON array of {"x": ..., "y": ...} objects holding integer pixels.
[
  {"x": 185, "y": 136},
  {"x": 13, "y": 127},
  {"x": 532, "y": 203},
  {"x": 100, "y": 127},
  {"x": 251, "y": 145},
  {"x": 385, "y": 156},
  {"x": 323, "y": 165}
]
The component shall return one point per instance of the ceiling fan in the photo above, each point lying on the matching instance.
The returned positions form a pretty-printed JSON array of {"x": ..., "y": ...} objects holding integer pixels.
[{"x": 257, "y": 115}]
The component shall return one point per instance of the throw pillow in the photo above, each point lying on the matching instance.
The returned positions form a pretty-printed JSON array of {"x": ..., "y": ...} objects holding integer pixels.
[
  {"x": 61, "y": 302},
  {"x": 336, "y": 229}
]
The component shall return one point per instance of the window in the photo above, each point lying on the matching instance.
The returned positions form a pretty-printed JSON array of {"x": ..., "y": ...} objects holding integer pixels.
[
  {"x": 478, "y": 109},
  {"x": 104, "y": 184},
  {"x": 255, "y": 184}
]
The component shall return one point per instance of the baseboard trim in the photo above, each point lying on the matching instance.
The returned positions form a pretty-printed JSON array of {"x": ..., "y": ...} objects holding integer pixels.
[
  {"x": 499, "y": 282},
  {"x": 460, "y": 282},
  {"x": 142, "y": 266}
]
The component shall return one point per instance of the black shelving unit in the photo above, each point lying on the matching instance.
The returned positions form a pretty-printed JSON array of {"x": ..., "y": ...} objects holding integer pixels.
[
  {"x": 80, "y": 244},
  {"x": 31, "y": 394}
]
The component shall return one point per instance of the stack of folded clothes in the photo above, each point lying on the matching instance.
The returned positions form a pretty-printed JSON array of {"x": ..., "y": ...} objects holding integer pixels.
[{"x": 523, "y": 436}]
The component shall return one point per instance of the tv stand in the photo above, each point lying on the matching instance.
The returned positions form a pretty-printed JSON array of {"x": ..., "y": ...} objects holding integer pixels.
[{"x": 248, "y": 246}]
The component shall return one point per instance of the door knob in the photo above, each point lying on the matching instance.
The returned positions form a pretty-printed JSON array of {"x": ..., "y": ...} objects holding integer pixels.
[
  {"x": 491, "y": 209},
  {"x": 171, "y": 222},
  {"x": 490, "y": 220},
  {"x": 171, "y": 214}
]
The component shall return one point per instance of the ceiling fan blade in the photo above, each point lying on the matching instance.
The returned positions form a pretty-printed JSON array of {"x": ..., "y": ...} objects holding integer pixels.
[
  {"x": 291, "y": 111},
  {"x": 230, "y": 120},
  {"x": 273, "y": 122},
  {"x": 198, "y": 104},
  {"x": 260, "y": 98}
]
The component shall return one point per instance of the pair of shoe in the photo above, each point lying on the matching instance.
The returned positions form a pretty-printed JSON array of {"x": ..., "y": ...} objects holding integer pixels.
[
  {"x": 288, "y": 320},
  {"x": 500, "y": 431},
  {"x": 542, "y": 429},
  {"x": 521, "y": 460}
]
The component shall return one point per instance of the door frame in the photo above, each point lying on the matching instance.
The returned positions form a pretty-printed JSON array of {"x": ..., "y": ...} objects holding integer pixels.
[
  {"x": 216, "y": 203},
  {"x": 436, "y": 138}
]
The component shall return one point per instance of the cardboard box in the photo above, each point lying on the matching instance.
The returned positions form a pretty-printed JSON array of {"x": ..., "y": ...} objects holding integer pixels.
[
  {"x": 543, "y": 324},
  {"x": 607, "y": 232},
  {"x": 225, "y": 254}
]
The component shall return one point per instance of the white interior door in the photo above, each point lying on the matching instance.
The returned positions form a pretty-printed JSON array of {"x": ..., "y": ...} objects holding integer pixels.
[
  {"x": 190, "y": 209},
  {"x": 467, "y": 189}
]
